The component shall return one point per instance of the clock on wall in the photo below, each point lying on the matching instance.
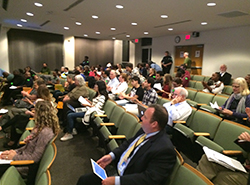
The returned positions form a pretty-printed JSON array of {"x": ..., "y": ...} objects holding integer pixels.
[{"x": 177, "y": 39}]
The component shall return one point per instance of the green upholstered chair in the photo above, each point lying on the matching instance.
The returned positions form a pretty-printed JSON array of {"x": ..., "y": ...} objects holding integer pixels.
[
  {"x": 186, "y": 174},
  {"x": 223, "y": 141},
  {"x": 202, "y": 124},
  {"x": 198, "y": 77},
  {"x": 217, "y": 98},
  {"x": 191, "y": 83}
]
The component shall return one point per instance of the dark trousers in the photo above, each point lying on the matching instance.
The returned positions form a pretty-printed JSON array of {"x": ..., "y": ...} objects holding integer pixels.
[{"x": 89, "y": 179}]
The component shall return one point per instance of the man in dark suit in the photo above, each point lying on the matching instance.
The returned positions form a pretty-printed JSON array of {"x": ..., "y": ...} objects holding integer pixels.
[
  {"x": 140, "y": 161},
  {"x": 225, "y": 76}
]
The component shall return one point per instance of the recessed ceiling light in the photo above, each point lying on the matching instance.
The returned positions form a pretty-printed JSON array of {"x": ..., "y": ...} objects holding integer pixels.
[
  {"x": 134, "y": 23},
  {"x": 97, "y": 32},
  {"x": 113, "y": 38},
  {"x": 78, "y": 23},
  {"x": 38, "y": 4},
  {"x": 145, "y": 33},
  {"x": 170, "y": 29},
  {"x": 19, "y": 25},
  {"x": 119, "y": 6},
  {"x": 164, "y": 16},
  {"x": 23, "y": 20},
  {"x": 204, "y": 23},
  {"x": 66, "y": 28},
  {"x": 211, "y": 4},
  {"x": 127, "y": 35},
  {"x": 29, "y": 14},
  {"x": 94, "y": 16},
  {"x": 112, "y": 29},
  {"x": 85, "y": 35}
]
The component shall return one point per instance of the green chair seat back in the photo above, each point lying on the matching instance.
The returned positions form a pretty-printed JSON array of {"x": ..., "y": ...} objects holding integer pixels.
[
  {"x": 92, "y": 94},
  {"x": 108, "y": 107},
  {"x": 228, "y": 132},
  {"x": 191, "y": 83},
  {"x": 203, "y": 141},
  {"x": 198, "y": 85},
  {"x": 191, "y": 94},
  {"x": 205, "y": 122},
  {"x": 12, "y": 177},
  {"x": 162, "y": 100},
  {"x": 227, "y": 89},
  {"x": 112, "y": 144},
  {"x": 198, "y": 77},
  {"x": 116, "y": 115},
  {"x": 206, "y": 78},
  {"x": 219, "y": 99},
  {"x": 188, "y": 175},
  {"x": 202, "y": 97},
  {"x": 128, "y": 124},
  {"x": 46, "y": 160}
]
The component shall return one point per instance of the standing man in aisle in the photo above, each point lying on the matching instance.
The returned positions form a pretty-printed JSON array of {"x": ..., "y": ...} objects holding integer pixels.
[
  {"x": 166, "y": 63},
  {"x": 187, "y": 62},
  {"x": 148, "y": 158}
]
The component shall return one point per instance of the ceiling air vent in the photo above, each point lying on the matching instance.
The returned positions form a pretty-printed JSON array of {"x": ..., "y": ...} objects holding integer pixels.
[
  {"x": 232, "y": 14},
  {"x": 173, "y": 23}
]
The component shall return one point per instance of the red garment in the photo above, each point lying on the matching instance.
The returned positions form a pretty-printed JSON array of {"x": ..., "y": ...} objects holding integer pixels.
[
  {"x": 185, "y": 79},
  {"x": 167, "y": 89}
]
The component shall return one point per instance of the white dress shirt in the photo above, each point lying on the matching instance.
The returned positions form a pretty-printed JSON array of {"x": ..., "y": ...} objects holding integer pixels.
[
  {"x": 121, "y": 87},
  {"x": 216, "y": 90},
  {"x": 177, "y": 112},
  {"x": 113, "y": 82}
]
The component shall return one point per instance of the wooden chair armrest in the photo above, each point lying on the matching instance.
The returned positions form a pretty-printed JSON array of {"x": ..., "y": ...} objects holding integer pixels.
[
  {"x": 179, "y": 121},
  {"x": 32, "y": 118},
  {"x": 117, "y": 137},
  {"x": 101, "y": 115},
  {"x": 201, "y": 134},
  {"x": 29, "y": 128},
  {"x": 232, "y": 152},
  {"x": 107, "y": 124},
  {"x": 200, "y": 104},
  {"x": 22, "y": 162},
  {"x": 22, "y": 143}
]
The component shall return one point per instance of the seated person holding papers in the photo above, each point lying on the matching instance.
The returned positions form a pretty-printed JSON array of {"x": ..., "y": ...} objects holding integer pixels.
[
  {"x": 148, "y": 158},
  {"x": 121, "y": 87},
  {"x": 136, "y": 92},
  {"x": 221, "y": 175}
]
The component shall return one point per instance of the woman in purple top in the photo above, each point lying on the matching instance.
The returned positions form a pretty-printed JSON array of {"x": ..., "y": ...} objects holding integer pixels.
[{"x": 234, "y": 107}]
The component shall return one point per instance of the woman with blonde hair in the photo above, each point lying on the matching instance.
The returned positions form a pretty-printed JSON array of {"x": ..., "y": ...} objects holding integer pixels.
[
  {"x": 46, "y": 128},
  {"x": 234, "y": 107},
  {"x": 167, "y": 85}
]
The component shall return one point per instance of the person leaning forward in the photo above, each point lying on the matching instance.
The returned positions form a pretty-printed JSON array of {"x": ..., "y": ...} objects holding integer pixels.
[{"x": 141, "y": 161}]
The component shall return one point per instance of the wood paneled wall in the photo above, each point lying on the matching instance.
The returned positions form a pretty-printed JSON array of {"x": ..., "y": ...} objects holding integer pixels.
[
  {"x": 99, "y": 51},
  {"x": 33, "y": 48}
]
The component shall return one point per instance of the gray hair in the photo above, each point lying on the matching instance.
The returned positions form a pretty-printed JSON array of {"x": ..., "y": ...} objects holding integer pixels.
[
  {"x": 186, "y": 53},
  {"x": 183, "y": 91},
  {"x": 80, "y": 79}
]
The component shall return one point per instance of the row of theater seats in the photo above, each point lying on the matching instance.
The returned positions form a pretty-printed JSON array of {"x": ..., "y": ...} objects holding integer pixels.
[
  {"x": 206, "y": 129},
  {"x": 201, "y": 100},
  {"x": 42, "y": 175},
  {"x": 227, "y": 90},
  {"x": 203, "y": 78}
]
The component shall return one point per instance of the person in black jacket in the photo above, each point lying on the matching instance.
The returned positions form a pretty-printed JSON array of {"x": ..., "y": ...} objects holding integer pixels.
[
  {"x": 225, "y": 76},
  {"x": 147, "y": 158},
  {"x": 166, "y": 63}
]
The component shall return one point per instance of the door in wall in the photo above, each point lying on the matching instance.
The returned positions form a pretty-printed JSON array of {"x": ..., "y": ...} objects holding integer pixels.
[
  {"x": 146, "y": 54},
  {"x": 195, "y": 54}
]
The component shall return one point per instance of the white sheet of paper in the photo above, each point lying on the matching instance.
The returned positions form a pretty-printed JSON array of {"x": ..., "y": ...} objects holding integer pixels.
[
  {"x": 3, "y": 161},
  {"x": 223, "y": 160},
  {"x": 158, "y": 86},
  {"x": 3, "y": 111},
  {"x": 83, "y": 101},
  {"x": 214, "y": 105},
  {"x": 13, "y": 87}
]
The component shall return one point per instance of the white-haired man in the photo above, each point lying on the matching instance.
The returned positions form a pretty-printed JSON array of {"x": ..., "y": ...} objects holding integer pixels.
[
  {"x": 187, "y": 61},
  {"x": 225, "y": 76},
  {"x": 178, "y": 109}
]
